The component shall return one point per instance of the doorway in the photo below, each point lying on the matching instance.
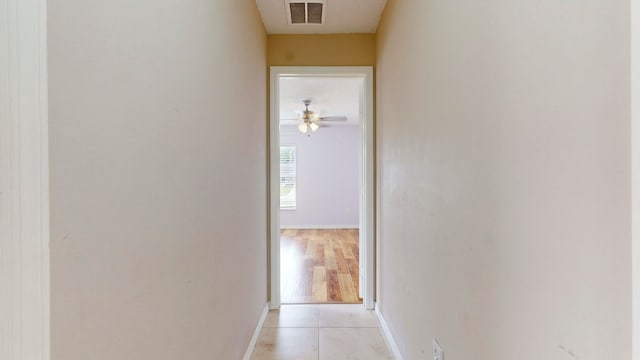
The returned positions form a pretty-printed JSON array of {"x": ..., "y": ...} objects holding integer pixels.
[{"x": 321, "y": 185}]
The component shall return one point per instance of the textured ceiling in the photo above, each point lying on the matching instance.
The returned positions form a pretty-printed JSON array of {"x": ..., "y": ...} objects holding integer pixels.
[
  {"x": 329, "y": 97},
  {"x": 341, "y": 16}
]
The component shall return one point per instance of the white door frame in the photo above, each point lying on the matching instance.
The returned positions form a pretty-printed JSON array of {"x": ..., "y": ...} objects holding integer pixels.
[
  {"x": 635, "y": 175},
  {"x": 24, "y": 181},
  {"x": 367, "y": 200}
]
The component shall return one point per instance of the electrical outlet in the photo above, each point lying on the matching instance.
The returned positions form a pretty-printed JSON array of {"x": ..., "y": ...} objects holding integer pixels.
[{"x": 438, "y": 354}]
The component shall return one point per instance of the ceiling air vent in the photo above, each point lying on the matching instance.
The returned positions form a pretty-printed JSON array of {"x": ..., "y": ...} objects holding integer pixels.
[
  {"x": 314, "y": 13},
  {"x": 302, "y": 12},
  {"x": 298, "y": 13}
]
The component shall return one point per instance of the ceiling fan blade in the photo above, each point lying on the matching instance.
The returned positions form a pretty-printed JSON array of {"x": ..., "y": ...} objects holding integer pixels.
[{"x": 333, "y": 118}]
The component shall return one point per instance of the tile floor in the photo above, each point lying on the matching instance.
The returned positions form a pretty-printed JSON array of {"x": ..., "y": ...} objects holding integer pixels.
[{"x": 321, "y": 332}]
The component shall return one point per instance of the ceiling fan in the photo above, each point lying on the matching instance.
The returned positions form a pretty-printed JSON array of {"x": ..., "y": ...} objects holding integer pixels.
[{"x": 311, "y": 120}]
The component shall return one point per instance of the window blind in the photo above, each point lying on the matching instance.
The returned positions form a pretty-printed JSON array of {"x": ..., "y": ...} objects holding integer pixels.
[{"x": 287, "y": 177}]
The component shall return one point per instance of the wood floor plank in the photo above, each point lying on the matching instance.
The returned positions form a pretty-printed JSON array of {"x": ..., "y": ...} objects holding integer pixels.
[
  {"x": 319, "y": 266},
  {"x": 354, "y": 272},
  {"x": 334, "y": 294},
  {"x": 319, "y": 258},
  {"x": 302, "y": 244},
  {"x": 347, "y": 289},
  {"x": 348, "y": 253},
  {"x": 288, "y": 232},
  {"x": 308, "y": 277},
  {"x": 311, "y": 248},
  {"x": 340, "y": 261},
  {"x": 329, "y": 256},
  {"x": 319, "y": 284},
  {"x": 355, "y": 250}
]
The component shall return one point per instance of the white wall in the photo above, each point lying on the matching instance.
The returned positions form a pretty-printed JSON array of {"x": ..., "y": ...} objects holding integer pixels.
[
  {"x": 504, "y": 191},
  {"x": 157, "y": 167},
  {"x": 24, "y": 181},
  {"x": 327, "y": 177}
]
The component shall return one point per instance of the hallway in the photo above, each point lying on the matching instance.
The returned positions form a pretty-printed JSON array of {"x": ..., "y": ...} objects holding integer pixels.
[
  {"x": 324, "y": 332},
  {"x": 138, "y": 218}
]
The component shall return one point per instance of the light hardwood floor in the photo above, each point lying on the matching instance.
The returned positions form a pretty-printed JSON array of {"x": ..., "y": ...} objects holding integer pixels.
[{"x": 319, "y": 266}]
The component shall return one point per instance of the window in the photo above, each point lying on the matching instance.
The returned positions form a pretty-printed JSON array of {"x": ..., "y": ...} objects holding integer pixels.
[{"x": 287, "y": 177}]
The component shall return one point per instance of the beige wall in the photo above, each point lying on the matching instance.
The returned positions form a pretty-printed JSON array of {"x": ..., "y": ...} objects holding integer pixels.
[
  {"x": 503, "y": 142},
  {"x": 322, "y": 50},
  {"x": 157, "y": 178}
]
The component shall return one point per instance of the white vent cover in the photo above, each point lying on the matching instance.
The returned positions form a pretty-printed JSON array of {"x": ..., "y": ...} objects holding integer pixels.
[{"x": 300, "y": 12}]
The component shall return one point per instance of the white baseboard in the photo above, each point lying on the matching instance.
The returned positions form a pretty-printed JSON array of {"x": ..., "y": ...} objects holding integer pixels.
[
  {"x": 305, "y": 227},
  {"x": 256, "y": 333},
  {"x": 387, "y": 335}
]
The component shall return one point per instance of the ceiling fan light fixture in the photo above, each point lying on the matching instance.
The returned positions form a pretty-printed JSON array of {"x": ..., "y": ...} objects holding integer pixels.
[{"x": 312, "y": 120}]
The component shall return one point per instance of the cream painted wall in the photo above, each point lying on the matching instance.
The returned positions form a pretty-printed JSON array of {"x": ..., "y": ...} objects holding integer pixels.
[
  {"x": 322, "y": 50},
  {"x": 157, "y": 168},
  {"x": 504, "y": 193}
]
